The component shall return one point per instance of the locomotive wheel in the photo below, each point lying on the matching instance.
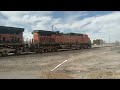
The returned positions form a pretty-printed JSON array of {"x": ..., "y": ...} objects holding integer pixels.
[
  {"x": 76, "y": 48},
  {"x": 46, "y": 51},
  {"x": 53, "y": 50},
  {"x": 20, "y": 52},
  {"x": 42, "y": 51},
  {"x": 80, "y": 48},
  {"x": 36, "y": 51},
  {"x": 3, "y": 55},
  {"x": 56, "y": 50}
]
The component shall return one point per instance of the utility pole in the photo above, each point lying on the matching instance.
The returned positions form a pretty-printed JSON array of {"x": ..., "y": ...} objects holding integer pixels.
[
  {"x": 109, "y": 39},
  {"x": 52, "y": 27}
]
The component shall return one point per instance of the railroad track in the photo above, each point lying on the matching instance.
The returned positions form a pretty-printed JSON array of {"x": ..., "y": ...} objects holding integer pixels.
[{"x": 59, "y": 50}]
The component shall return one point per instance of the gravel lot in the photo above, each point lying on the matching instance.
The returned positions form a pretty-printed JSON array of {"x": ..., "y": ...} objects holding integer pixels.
[{"x": 96, "y": 63}]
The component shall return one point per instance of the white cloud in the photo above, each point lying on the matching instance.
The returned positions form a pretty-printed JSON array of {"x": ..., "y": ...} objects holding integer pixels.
[
  {"x": 97, "y": 26},
  {"x": 26, "y": 19},
  {"x": 70, "y": 16},
  {"x": 21, "y": 13},
  {"x": 107, "y": 25}
]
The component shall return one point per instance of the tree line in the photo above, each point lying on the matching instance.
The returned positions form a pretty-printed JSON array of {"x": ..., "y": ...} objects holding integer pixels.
[{"x": 98, "y": 41}]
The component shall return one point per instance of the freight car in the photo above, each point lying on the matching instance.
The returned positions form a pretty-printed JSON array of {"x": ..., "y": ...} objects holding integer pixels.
[
  {"x": 11, "y": 40},
  {"x": 45, "y": 41}
]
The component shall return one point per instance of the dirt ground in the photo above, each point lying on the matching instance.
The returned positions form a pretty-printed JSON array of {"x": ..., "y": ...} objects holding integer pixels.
[{"x": 96, "y": 63}]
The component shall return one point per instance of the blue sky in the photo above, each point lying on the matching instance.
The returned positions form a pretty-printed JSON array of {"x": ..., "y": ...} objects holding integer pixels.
[
  {"x": 97, "y": 24},
  {"x": 60, "y": 14}
]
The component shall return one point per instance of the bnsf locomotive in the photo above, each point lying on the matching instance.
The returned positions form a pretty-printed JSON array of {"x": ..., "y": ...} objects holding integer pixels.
[{"x": 11, "y": 41}]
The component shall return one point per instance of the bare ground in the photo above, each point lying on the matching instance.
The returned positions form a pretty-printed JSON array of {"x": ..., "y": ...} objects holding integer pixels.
[{"x": 95, "y": 63}]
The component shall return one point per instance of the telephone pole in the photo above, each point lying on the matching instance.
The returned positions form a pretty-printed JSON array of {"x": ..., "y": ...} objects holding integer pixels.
[
  {"x": 109, "y": 39},
  {"x": 52, "y": 27}
]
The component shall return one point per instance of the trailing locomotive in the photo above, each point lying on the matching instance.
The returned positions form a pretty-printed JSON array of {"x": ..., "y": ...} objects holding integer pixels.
[{"x": 11, "y": 41}]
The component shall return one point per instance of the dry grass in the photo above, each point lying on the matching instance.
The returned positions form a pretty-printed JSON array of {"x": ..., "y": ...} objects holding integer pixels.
[
  {"x": 101, "y": 75},
  {"x": 55, "y": 75}
]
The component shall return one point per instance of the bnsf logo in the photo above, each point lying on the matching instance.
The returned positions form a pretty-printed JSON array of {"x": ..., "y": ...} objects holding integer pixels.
[{"x": 47, "y": 39}]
